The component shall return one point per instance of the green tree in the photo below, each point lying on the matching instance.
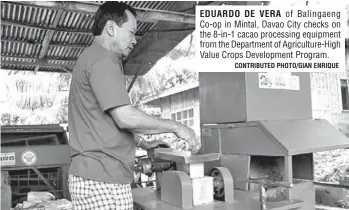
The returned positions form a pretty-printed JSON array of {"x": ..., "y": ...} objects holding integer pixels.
[{"x": 33, "y": 98}]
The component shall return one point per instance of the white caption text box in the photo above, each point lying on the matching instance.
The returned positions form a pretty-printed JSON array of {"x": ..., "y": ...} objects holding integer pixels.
[{"x": 270, "y": 39}]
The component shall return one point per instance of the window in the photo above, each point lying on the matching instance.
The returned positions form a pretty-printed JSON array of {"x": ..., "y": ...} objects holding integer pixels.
[
  {"x": 185, "y": 117},
  {"x": 345, "y": 94}
]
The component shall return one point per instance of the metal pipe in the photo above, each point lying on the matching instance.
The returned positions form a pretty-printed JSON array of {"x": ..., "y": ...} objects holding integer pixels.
[
  {"x": 263, "y": 198},
  {"x": 331, "y": 185},
  {"x": 43, "y": 178},
  {"x": 268, "y": 183},
  {"x": 325, "y": 184}
]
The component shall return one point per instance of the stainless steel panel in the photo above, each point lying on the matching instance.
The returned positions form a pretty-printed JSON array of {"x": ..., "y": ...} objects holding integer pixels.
[
  {"x": 270, "y": 104},
  {"x": 273, "y": 138},
  {"x": 185, "y": 157},
  {"x": 249, "y": 140},
  {"x": 222, "y": 97},
  {"x": 236, "y": 97},
  {"x": 46, "y": 155},
  {"x": 149, "y": 199},
  {"x": 306, "y": 136}
]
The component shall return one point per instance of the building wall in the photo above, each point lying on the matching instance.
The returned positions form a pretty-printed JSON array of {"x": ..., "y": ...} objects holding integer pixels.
[
  {"x": 326, "y": 96},
  {"x": 181, "y": 102},
  {"x": 335, "y": 112}
]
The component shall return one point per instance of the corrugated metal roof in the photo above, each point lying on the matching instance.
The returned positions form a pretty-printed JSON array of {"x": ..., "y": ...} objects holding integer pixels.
[{"x": 24, "y": 26}]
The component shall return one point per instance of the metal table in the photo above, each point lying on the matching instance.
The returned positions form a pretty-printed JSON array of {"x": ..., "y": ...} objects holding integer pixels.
[{"x": 149, "y": 199}]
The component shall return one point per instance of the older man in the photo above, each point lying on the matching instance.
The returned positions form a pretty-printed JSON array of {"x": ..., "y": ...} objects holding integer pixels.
[{"x": 102, "y": 122}]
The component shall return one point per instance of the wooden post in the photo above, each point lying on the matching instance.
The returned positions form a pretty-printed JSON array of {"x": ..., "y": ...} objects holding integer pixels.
[
  {"x": 6, "y": 193},
  {"x": 5, "y": 178},
  {"x": 288, "y": 175},
  {"x": 65, "y": 177},
  {"x": 263, "y": 198}
]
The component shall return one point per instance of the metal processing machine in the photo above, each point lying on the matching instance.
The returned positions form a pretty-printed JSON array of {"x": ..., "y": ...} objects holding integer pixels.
[
  {"x": 262, "y": 126},
  {"x": 181, "y": 183},
  {"x": 37, "y": 158}
]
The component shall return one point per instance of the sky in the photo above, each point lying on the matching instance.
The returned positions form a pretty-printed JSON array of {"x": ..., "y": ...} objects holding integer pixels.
[{"x": 182, "y": 62}]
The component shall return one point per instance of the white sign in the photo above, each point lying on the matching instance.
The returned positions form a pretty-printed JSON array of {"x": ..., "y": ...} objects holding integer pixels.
[
  {"x": 278, "y": 81},
  {"x": 29, "y": 158},
  {"x": 270, "y": 38},
  {"x": 8, "y": 159}
]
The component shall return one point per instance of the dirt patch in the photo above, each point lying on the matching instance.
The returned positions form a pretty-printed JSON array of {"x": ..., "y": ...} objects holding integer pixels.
[{"x": 330, "y": 166}]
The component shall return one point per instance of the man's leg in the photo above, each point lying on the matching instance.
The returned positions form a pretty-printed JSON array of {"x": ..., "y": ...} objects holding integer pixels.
[{"x": 89, "y": 194}]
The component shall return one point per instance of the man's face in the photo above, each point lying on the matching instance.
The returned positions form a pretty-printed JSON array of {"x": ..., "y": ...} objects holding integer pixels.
[{"x": 123, "y": 38}]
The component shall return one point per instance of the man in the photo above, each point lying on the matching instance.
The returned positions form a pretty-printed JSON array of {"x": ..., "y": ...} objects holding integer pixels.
[{"x": 102, "y": 122}]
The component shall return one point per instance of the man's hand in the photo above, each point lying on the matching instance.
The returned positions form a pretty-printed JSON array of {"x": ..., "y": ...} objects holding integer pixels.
[
  {"x": 188, "y": 135},
  {"x": 146, "y": 145}
]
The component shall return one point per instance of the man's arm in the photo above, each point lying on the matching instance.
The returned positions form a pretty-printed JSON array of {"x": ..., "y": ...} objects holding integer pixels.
[
  {"x": 140, "y": 142},
  {"x": 130, "y": 118},
  {"x": 107, "y": 83}
]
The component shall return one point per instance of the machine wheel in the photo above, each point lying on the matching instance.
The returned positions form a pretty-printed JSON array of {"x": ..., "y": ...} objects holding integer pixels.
[
  {"x": 218, "y": 184},
  {"x": 147, "y": 167}
]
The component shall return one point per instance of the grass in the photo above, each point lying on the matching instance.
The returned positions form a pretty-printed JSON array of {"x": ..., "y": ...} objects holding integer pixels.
[{"x": 331, "y": 165}]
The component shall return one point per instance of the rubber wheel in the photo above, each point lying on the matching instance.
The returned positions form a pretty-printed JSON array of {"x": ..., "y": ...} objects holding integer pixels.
[{"x": 218, "y": 187}]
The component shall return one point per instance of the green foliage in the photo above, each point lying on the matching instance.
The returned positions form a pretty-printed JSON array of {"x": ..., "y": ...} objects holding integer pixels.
[
  {"x": 42, "y": 97},
  {"x": 158, "y": 81},
  {"x": 10, "y": 119},
  {"x": 34, "y": 98},
  {"x": 176, "y": 68}
]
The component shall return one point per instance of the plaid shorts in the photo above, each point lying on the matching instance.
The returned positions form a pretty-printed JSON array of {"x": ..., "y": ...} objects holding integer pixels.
[{"x": 89, "y": 194}]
